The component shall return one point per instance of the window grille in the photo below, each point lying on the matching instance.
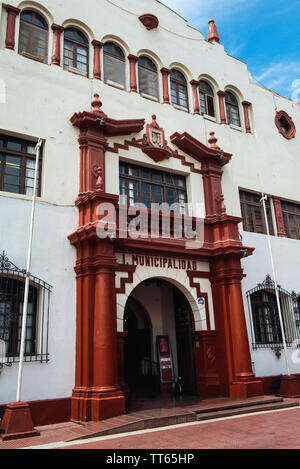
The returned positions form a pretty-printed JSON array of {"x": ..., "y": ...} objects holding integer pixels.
[
  {"x": 264, "y": 316},
  {"x": 12, "y": 285}
]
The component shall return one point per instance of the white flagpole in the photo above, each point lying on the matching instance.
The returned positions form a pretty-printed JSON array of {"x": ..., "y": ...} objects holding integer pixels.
[
  {"x": 263, "y": 200},
  {"x": 26, "y": 292}
]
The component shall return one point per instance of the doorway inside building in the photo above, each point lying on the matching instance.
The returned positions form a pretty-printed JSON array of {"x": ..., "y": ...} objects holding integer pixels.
[{"x": 154, "y": 309}]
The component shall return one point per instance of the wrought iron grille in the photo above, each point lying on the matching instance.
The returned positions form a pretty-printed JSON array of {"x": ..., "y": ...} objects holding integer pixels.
[
  {"x": 264, "y": 316},
  {"x": 12, "y": 285}
]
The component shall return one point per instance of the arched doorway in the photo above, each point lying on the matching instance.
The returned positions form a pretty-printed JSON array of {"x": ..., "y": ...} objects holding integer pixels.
[{"x": 157, "y": 308}]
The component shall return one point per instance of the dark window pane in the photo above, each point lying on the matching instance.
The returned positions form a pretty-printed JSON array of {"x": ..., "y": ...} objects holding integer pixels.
[
  {"x": 114, "y": 69},
  {"x": 11, "y": 145}
]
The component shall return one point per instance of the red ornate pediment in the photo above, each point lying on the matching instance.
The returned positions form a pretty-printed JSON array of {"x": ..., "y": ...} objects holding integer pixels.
[
  {"x": 200, "y": 152},
  {"x": 97, "y": 119},
  {"x": 155, "y": 143}
]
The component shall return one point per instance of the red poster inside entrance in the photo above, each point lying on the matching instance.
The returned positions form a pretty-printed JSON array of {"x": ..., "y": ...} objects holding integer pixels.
[{"x": 165, "y": 359}]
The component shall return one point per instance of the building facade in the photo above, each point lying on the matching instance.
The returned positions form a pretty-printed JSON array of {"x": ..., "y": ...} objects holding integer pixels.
[{"x": 140, "y": 108}]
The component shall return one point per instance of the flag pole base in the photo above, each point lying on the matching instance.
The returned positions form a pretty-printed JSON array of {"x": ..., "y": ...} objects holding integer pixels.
[
  {"x": 289, "y": 386},
  {"x": 17, "y": 422}
]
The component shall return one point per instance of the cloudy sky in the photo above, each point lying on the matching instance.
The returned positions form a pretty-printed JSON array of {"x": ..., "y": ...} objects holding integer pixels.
[{"x": 263, "y": 33}]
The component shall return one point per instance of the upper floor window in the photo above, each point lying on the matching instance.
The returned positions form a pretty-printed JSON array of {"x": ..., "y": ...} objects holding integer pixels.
[
  {"x": 33, "y": 37},
  {"x": 253, "y": 213},
  {"x": 291, "y": 219},
  {"x": 76, "y": 50},
  {"x": 148, "y": 84},
  {"x": 149, "y": 186},
  {"x": 113, "y": 64},
  {"x": 206, "y": 96},
  {"x": 17, "y": 166},
  {"x": 179, "y": 94},
  {"x": 232, "y": 110}
]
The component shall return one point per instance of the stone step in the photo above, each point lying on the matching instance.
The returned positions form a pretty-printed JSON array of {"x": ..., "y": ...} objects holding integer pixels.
[
  {"x": 194, "y": 414},
  {"x": 244, "y": 410},
  {"x": 238, "y": 405}
]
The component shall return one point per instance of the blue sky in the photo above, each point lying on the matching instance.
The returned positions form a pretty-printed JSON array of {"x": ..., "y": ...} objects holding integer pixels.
[{"x": 263, "y": 33}]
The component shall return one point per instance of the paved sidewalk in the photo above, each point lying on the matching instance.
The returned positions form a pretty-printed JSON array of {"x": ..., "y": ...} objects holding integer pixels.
[{"x": 146, "y": 414}]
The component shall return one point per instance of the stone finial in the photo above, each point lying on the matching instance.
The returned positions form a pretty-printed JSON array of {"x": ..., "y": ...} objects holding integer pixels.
[
  {"x": 213, "y": 141},
  {"x": 213, "y": 35},
  {"x": 96, "y": 104}
]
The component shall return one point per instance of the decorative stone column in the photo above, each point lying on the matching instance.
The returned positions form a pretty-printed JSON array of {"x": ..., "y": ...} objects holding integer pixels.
[
  {"x": 132, "y": 64},
  {"x": 97, "y": 64},
  {"x": 97, "y": 394},
  {"x": 12, "y": 13},
  {"x": 57, "y": 31},
  {"x": 195, "y": 85},
  {"x": 246, "y": 106},
  {"x": 165, "y": 79},
  {"x": 222, "y": 95},
  {"x": 236, "y": 376}
]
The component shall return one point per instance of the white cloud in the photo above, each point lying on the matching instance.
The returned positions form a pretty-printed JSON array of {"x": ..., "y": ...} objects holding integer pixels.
[
  {"x": 200, "y": 11},
  {"x": 282, "y": 77}
]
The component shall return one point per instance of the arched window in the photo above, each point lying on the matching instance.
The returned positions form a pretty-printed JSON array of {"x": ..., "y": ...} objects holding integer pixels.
[
  {"x": 232, "y": 110},
  {"x": 33, "y": 36},
  {"x": 206, "y": 98},
  {"x": 113, "y": 64},
  {"x": 76, "y": 50},
  {"x": 147, "y": 77},
  {"x": 179, "y": 95}
]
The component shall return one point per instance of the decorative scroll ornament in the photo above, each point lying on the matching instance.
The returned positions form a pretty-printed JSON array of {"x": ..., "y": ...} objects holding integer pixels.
[
  {"x": 6, "y": 264},
  {"x": 155, "y": 143},
  {"x": 98, "y": 173}
]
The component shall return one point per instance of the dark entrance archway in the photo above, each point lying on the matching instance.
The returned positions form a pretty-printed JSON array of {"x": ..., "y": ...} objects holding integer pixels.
[{"x": 156, "y": 307}]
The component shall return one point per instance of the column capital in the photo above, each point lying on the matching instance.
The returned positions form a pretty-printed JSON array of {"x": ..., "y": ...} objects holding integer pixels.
[
  {"x": 132, "y": 58},
  {"x": 165, "y": 71},
  {"x": 57, "y": 28},
  {"x": 97, "y": 44},
  {"x": 11, "y": 9},
  {"x": 194, "y": 82},
  {"x": 221, "y": 93},
  {"x": 246, "y": 103}
]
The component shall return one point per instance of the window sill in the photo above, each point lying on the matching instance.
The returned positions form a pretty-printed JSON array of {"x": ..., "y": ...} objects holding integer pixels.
[
  {"x": 180, "y": 108},
  {"x": 13, "y": 195},
  {"x": 76, "y": 71},
  {"x": 115, "y": 85},
  {"x": 235, "y": 127},
  {"x": 148, "y": 96},
  {"x": 210, "y": 118}
]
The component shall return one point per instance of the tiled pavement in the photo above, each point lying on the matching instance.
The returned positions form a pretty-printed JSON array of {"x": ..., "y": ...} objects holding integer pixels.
[{"x": 151, "y": 413}]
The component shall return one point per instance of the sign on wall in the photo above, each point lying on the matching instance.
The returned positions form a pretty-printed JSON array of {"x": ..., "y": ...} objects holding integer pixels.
[{"x": 164, "y": 359}]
